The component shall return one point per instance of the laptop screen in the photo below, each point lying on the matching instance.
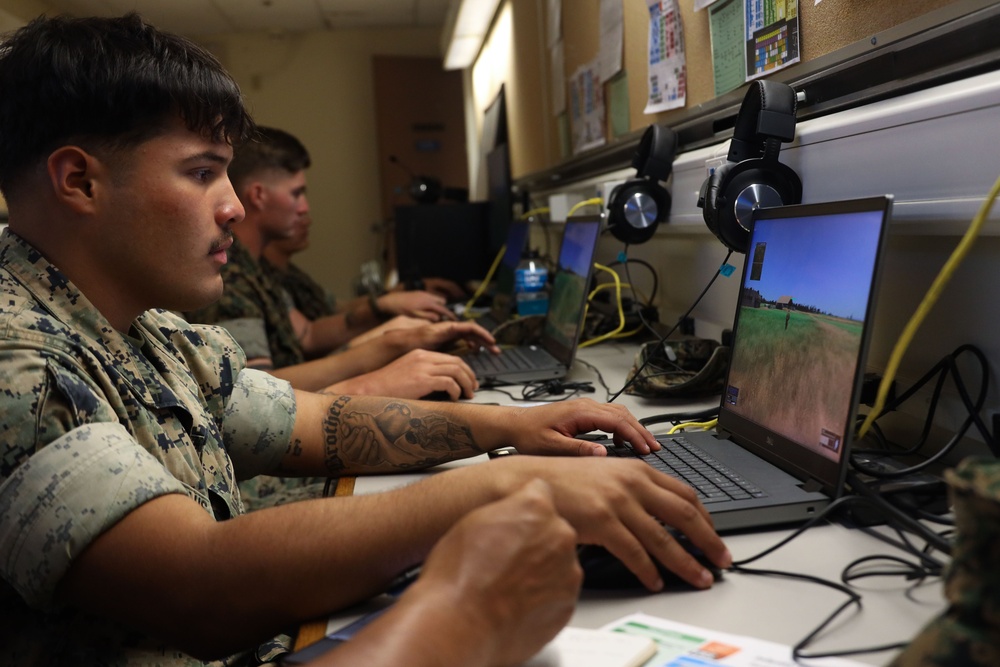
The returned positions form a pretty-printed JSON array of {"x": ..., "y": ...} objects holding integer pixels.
[
  {"x": 517, "y": 235},
  {"x": 569, "y": 288},
  {"x": 801, "y": 331}
]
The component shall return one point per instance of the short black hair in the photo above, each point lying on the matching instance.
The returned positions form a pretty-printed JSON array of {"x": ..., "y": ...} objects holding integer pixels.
[
  {"x": 109, "y": 83},
  {"x": 268, "y": 149}
]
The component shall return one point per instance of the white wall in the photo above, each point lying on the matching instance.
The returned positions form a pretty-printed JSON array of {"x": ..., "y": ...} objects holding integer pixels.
[{"x": 935, "y": 152}]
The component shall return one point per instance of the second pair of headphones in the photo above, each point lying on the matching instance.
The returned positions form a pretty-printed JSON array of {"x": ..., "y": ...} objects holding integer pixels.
[
  {"x": 639, "y": 204},
  {"x": 753, "y": 176}
]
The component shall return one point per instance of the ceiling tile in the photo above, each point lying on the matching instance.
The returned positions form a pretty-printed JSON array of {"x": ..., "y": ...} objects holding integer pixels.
[{"x": 200, "y": 17}]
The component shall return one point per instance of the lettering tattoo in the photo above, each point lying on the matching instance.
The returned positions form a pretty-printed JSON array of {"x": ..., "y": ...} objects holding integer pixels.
[{"x": 393, "y": 438}]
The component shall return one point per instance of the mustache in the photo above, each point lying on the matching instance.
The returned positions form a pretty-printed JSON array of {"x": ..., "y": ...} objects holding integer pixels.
[{"x": 224, "y": 242}]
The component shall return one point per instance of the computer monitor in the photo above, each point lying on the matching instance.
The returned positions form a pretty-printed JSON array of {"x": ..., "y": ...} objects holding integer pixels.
[{"x": 443, "y": 241}]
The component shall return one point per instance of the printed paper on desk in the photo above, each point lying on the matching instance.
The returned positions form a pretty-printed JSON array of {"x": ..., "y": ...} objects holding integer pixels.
[
  {"x": 579, "y": 647},
  {"x": 681, "y": 645}
]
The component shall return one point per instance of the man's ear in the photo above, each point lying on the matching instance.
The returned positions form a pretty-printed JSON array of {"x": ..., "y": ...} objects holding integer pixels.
[
  {"x": 71, "y": 171},
  {"x": 254, "y": 195}
]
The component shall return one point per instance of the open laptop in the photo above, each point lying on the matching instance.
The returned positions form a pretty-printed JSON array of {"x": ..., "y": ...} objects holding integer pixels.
[
  {"x": 799, "y": 344},
  {"x": 503, "y": 296},
  {"x": 554, "y": 353}
]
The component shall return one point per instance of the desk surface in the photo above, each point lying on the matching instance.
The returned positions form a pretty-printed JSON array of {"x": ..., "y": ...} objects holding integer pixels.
[{"x": 777, "y": 609}]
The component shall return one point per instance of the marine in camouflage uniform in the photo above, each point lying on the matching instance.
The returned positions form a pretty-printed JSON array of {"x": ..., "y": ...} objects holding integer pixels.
[
  {"x": 93, "y": 424},
  {"x": 259, "y": 322},
  {"x": 253, "y": 311},
  {"x": 308, "y": 295},
  {"x": 968, "y": 632}
]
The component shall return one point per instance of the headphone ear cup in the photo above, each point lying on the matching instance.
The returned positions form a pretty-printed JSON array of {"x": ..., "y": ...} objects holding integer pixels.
[
  {"x": 742, "y": 187},
  {"x": 636, "y": 208}
]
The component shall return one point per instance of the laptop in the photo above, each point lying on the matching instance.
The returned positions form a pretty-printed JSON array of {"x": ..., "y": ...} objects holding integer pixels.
[
  {"x": 553, "y": 355},
  {"x": 503, "y": 297},
  {"x": 799, "y": 344}
]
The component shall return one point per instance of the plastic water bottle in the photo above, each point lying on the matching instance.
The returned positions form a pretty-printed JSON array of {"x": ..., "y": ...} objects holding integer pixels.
[{"x": 531, "y": 287}]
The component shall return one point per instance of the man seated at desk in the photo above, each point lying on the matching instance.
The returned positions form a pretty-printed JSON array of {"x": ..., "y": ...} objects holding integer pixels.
[
  {"x": 125, "y": 429},
  {"x": 269, "y": 175},
  {"x": 315, "y": 301}
]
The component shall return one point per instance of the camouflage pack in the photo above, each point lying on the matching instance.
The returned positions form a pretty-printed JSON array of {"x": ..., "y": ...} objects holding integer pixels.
[
  {"x": 968, "y": 632},
  {"x": 679, "y": 368}
]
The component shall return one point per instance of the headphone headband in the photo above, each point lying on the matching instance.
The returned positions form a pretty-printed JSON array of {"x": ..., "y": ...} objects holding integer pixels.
[
  {"x": 767, "y": 112},
  {"x": 654, "y": 157}
]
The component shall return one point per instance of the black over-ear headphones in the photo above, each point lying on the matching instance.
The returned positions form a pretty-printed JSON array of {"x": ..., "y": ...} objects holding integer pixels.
[
  {"x": 636, "y": 206},
  {"x": 753, "y": 176}
]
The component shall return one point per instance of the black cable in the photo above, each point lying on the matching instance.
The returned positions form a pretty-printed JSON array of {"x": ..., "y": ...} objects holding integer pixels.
[
  {"x": 625, "y": 262},
  {"x": 600, "y": 377},
  {"x": 931, "y": 567},
  {"x": 674, "y": 417},
  {"x": 941, "y": 370},
  {"x": 674, "y": 328},
  {"x": 895, "y": 514},
  {"x": 533, "y": 391}
]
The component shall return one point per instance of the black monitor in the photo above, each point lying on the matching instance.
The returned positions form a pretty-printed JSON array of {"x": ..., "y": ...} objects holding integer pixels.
[
  {"x": 501, "y": 197},
  {"x": 443, "y": 241}
]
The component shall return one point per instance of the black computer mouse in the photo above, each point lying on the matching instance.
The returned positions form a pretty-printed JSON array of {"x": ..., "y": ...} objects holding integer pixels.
[
  {"x": 603, "y": 571},
  {"x": 436, "y": 396}
]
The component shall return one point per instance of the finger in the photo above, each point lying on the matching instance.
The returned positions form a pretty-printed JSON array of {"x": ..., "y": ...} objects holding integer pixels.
[
  {"x": 661, "y": 544},
  {"x": 626, "y": 547},
  {"x": 588, "y": 415},
  {"x": 683, "y": 512},
  {"x": 462, "y": 375},
  {"x": 441, "y": 308},
  {"x": 428, "y": 315}
]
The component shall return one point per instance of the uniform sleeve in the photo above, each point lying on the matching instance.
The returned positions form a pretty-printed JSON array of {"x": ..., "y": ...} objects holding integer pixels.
[
  {"x": 67, "y": 494},
  {"x": 258, "y": 421},
  {"x": 240, "y": 312},
  {"x": 68, "y": 471}
]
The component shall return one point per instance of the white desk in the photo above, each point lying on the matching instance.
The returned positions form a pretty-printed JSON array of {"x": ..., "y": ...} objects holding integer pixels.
[{"x": 776, "y": 609}]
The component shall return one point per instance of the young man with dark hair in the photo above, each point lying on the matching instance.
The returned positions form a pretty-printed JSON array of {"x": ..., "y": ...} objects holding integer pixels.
[
  {"x": 124, "y": 429},
  {"x": 268, "y": 173}
]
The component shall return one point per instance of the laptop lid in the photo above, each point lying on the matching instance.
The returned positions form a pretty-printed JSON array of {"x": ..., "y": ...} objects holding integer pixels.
[
  {"x": 568, "y": 298},
  {"x": 801, "y": 335},
  {"x": 517, "y": 237}
]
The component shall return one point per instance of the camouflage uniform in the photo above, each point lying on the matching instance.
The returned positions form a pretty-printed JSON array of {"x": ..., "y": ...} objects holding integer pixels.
[
  {"x": 308, "y": 295},
  {"x": 251, "y": 310},
  {"x": 255, "y": 311},
  {"x": 94, "y": 423},
  {"x": 968, "y": 632}
]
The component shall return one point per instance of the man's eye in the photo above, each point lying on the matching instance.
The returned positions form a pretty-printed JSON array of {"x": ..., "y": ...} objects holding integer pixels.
[{"x": 203, "y": 174}]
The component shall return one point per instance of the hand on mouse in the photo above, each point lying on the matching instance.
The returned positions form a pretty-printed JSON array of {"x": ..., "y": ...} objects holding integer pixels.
[
  {"x": 414, "y": 375},
  {"x": 494, "y": 590}
]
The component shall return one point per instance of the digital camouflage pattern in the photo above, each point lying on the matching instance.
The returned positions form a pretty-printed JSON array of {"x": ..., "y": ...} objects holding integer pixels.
[
  {"x": 94, "y": 423},
  {"x": 968, "y": 632},
  {"x": 691, "y": 367},
  {"x": 308, "y": 295},
  {"x": 525, "y": 330},
  {"x": 253, "y": 310}
]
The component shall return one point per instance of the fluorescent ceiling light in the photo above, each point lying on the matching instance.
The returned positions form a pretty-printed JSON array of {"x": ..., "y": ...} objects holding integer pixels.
[{"x": 465, "y": 29}]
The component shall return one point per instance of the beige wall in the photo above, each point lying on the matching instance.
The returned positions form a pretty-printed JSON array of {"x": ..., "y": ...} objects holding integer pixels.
[{"x": 319, "y": 86}]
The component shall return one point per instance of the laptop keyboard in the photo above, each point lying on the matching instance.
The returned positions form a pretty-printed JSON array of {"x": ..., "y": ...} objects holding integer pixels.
[
  {"x": 510, "y": 359},
  {"x": 712, "y": 481}
]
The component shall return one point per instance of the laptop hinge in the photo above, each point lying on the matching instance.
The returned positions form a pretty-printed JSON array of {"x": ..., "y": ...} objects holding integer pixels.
[{"x": 811, "y": 486}]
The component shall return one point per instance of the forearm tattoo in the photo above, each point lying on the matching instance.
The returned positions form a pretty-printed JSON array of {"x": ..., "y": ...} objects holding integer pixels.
[
  {"x": 391, "y": 438},
  {"x": 294, "y": 451}
]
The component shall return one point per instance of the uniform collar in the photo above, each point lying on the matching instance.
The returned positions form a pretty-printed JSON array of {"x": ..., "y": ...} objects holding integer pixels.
[{"x": 54, "y": 292}]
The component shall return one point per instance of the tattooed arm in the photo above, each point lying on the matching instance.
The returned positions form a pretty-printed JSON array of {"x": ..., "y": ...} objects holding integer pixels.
[{"x": 355, "y": 435}]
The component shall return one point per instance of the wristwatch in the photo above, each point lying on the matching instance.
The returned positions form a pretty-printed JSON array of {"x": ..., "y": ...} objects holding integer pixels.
[{"x": 379, "y": 314}]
